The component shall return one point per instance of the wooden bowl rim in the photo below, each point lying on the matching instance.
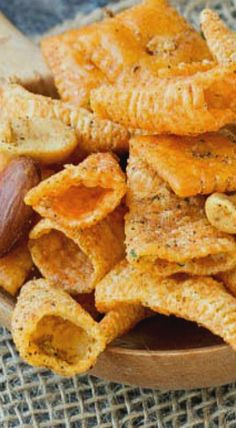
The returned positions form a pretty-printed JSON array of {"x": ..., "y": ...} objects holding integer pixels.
[{"x": 165, "y": 352}]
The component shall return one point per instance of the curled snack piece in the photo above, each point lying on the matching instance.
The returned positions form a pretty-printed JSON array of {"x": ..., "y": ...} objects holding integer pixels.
[
  {"x": 52, "y": 330},
  {"x": 221, "y": 212},
  {"x": 14, "y": 268},
  {"x": 77, "y": 259},
  {"x": 46, "y": 140},
  {"x": 205, "y": 102},
  {"x": 80, "y": 196},
  {"x": 191, "y": 165},
  {"x": 160, "y": 225},
  {"x": 199, "y": 299},
  {"x": 93, "y": 134},
  {"x": 220, "y": 39},
  {"x": 229, "y": 280}
]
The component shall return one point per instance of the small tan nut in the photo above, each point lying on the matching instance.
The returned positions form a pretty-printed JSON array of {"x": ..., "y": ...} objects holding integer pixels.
[
  {"x": 19, "y": 176},
  {"x": 221, "y": 212}
]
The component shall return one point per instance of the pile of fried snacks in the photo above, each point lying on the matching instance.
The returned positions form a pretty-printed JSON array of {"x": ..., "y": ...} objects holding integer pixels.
[{"x": 123, "y": 191}]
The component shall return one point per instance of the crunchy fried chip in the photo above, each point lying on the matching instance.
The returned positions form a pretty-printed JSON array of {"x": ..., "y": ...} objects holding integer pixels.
[
  {"x": 82, "y": 195},
  {"x": 221, "y": 212},
  {"x": 199, "y": 299},
  {"x": 220, "y": 39},
  {"x": 93, "y": 134},
  {"x": 46, "y": 140},
  {"x": 191, "y": 165},
  {"x": 77, "y": 259},
  {"x": 52, "y": 330},
  {"x": 229, "y": 280},
  {"x": 185, "y": 69},
  {"x": 203, "y": 102},
  {"x": 160, "y": 225},
  {"x": 14, "y": 268}
]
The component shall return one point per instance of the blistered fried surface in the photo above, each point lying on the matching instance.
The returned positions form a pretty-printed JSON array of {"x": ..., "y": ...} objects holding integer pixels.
[
  {"x": 199, "y": 299},
  {"x": 162, "y": 225},
  {"x": 76, "y": 260},
  {"x": 52, "y": 330},
  {"x": 191, "y": 165},
  {"x": 221, "y": 211},
  {"x": 80, "y": 196}
]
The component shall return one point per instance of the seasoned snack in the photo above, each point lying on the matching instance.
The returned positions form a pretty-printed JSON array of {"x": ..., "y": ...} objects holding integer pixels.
[
  {"x": 191, "y": 165},
  {"x": 205, "y": 102},
  {"x": 220, "y": 39},
  {"x": 77, "y": 259},
  {"x": 45, "y": 140},
  {"x": 199, "y": 299},
  {"x": 51, "y": 330},
  {"x": 93, "y": 134},
  {"x": 160, "y": 225},
  {"x": 221, "y": 212},
  {"x": 15, "y": 267},
  {"x": 229, "y": 280},
  {"x": 80, "y": 196}
]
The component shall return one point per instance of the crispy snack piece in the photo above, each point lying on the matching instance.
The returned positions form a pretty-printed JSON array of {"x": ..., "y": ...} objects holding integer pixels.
[
  {"x": 221, "y": 212},
  {"x": 77, "y": 259},
  {"x": 199, "y": 299},
  {"x": 191, "y": 166},
  {"x": 82, "y": 195},
  {"x": 205, "y": 102},
  {"x": 229, "y": 280},
  {"x": 14, "y": 268},
  {"x": 93, "y": 134},
  {"x": 220, "y": 39},
  {"x": 52, "y": 330},
  {"x": 46, "y": 140},
  {"x": 160, "y": 225}
]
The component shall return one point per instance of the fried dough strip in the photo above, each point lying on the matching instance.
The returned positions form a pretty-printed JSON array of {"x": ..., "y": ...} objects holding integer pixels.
[
  {"x": 199, "y": 299},
  {"x": 205, "y": 102},
  {"x": 80, "y": 196},
  {"x": 220, "y": 39},
  {"x": 76, "y": 260}
]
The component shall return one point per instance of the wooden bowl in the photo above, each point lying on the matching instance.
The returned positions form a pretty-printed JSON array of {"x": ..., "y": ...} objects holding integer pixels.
[{"x": 161, "y": 352}]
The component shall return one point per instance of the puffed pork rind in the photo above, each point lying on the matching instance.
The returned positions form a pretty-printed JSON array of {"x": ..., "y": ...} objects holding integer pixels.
[
  {"x": 93, "y": 134},
  {"x": 80, "y": 196},
  {"x": 200, "y": 103},
  {"x": 221, "y": 211},
  {"x": 191, "y": 166},
  {"x": 160, "y": 225},
  {"x": 15, "y": 268},
  {"x": 46, "y": 140},
  {"x": 50, "y": 329},
  {"x": 199, "y": 299},
  {"x": 220, "y": 39},
  {"x": 77, "y": 259}
]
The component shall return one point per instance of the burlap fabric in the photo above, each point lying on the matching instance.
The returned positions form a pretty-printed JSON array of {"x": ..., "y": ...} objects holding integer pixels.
[{"x": 37, "y": 398}]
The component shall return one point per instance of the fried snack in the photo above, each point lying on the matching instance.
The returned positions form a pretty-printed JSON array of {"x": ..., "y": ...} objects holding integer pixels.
[
  {"x": 220, "y": 39},
  {"x": 14, "y": 268},
  {"x": 221, "y": 212},
  {"x": 229, "y": 280},
  {"x": 205, "y": 102},
  {"x": 185, "y": 69},
  {"x": 80, "y": 196},
  {"x": 77, "y": 259},
  {"x": 160, "y": 225},
  {"x": 52, "y": 330},
  {"x": 46, "y": 140},
  {"x": 93, "y": 134},
  {"x": 199, "y": 299},
  {"x": 191, "y": 166}
]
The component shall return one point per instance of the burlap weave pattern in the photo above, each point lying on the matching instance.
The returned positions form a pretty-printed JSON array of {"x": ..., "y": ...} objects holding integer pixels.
[{"x": 37, "y": 398}]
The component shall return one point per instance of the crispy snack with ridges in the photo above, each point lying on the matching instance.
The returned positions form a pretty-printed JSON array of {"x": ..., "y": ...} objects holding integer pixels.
[
  {"x": 77, "y": 259},
  {"x": 14, "y": 268},
  {"x": 93, "y": 134},
  {"x": 205, "y": 102},
  {"x": 50, "y": 329},
  {"x": 229, "y": 280},
  {"x": 220, "y": 39},
  {"x": 221, "y": 211},
  {"x": 45, "y": 140},
  {"x": 160, "y": 225},
  {"x": 199, "y": 299},
  {"x": 80, "y": 196},
  {"x": 191, "y": 165},
  {"x": 185, "y": 69}
]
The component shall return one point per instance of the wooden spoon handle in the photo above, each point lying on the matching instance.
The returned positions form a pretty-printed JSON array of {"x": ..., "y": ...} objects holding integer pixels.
[{"x": 7, "y": 304}]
